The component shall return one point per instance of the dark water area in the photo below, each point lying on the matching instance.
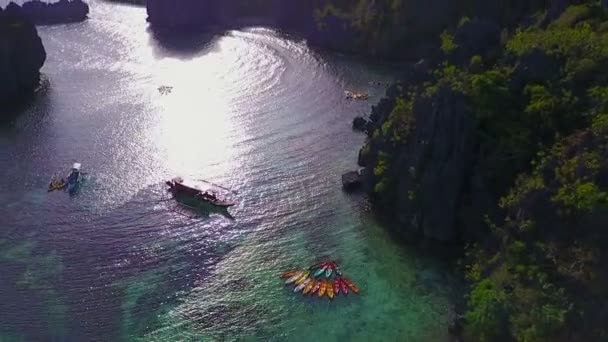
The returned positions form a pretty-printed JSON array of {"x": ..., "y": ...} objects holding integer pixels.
[{"x": 253, "y": 110}]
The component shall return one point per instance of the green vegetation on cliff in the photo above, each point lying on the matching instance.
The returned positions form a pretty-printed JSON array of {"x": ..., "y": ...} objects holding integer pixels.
[{"x": 527, "y": 160}]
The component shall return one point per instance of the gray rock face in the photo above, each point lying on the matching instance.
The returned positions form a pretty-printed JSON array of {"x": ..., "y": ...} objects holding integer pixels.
[
  {"x": 21, "y": 56},
  {"x": 436, "y": 157}
]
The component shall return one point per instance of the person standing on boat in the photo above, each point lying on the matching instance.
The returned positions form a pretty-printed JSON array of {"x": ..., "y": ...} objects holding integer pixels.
[{"x": 74, "y": 176}]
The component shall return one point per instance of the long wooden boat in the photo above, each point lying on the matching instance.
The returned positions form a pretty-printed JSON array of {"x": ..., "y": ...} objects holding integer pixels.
[{"x": 201, "y": 190}]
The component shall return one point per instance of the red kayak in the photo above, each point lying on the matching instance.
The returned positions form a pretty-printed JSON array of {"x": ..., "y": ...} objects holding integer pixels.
[
  {"x": 351, "y": 285},
  {"x": 344, "y": 287},
  {"x": 337, "y": 287},
  {"x": 289, "y": 274}
]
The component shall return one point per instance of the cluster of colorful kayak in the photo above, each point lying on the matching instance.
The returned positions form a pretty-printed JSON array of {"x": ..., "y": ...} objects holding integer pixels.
[{"x": 323, "y": 279}]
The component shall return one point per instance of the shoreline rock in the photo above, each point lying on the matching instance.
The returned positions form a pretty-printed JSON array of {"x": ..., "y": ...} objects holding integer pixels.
[
  {"x": 21, "y": 57},
  {"x": 353, "y": 180},
  {"x": 360, "y": 124}
]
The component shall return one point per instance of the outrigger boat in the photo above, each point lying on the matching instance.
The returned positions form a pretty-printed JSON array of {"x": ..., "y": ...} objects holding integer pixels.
[
  {"x": 201, "y": 190},
  {"x": 74, "y": 178}
]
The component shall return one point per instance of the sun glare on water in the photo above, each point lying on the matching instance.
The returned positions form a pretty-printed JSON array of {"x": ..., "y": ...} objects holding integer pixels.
[{"x": 196, "y": 125}]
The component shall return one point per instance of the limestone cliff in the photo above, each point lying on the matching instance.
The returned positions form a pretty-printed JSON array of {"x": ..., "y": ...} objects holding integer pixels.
[{"x": 21, "y": 56}]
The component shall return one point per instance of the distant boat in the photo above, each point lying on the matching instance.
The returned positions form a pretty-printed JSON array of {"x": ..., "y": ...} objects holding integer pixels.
[
  {"x": 353, "y": 95},
  {"x": 165, "y": 90},
  {"x": 201, "y": 190}
]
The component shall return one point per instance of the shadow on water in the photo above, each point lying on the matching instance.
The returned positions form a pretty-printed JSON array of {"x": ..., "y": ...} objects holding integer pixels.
[
  {"x": 182, "y": 45},
  {"x": 186, "y": 44},
  {"x": 39, "y": 98}
]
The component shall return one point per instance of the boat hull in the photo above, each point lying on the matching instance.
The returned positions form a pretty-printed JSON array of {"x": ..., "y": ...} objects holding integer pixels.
[{"x": 196, "y": 191}]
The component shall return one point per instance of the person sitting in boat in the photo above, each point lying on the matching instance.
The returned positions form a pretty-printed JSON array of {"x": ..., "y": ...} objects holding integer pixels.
[{"x": 209, "y": 196}]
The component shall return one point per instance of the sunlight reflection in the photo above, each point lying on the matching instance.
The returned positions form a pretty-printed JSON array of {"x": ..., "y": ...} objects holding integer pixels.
[{"x": 195, "y": 119}]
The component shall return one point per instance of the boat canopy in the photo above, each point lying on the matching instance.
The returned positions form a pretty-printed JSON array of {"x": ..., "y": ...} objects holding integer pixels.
[{"x": 76, "y": 167}]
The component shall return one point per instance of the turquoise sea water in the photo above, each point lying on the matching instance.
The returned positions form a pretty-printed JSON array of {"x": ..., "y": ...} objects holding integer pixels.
[{"x": 253, "y": 110}]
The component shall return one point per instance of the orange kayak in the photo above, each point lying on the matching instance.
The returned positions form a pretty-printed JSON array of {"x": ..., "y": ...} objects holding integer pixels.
[
  {"x": 351, "y": 285},
  {"x": 316, "y": 287},
  {"x": 322, "y": 288},
  {"x": 309, "y": 287},
  {"x": 289, "y": 274},
  {"x": 330, "y": 289}
]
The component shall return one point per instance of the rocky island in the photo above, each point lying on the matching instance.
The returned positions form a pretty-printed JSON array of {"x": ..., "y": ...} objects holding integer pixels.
[
  {"x": 21, "y": 56},
  {"x": 499, "y": 141},
  {"x": 61, "y": 12}
]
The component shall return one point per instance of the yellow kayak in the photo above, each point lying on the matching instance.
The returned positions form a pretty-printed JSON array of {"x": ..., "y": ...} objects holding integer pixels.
[
  {"x": 330, "y": 290},
  {"x": 56, "y": 185},
  {"x": 302, "y": 278},
  {"x": 294, "y": 277},
  {"x": 309, "y": 287},
  {"x": 303, "y": 285}
]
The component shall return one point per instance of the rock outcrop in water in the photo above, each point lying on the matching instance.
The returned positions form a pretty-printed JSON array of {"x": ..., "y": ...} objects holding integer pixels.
[
  {"x": 21, "y": 56},
  {"x": 64, "y": 11}
]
